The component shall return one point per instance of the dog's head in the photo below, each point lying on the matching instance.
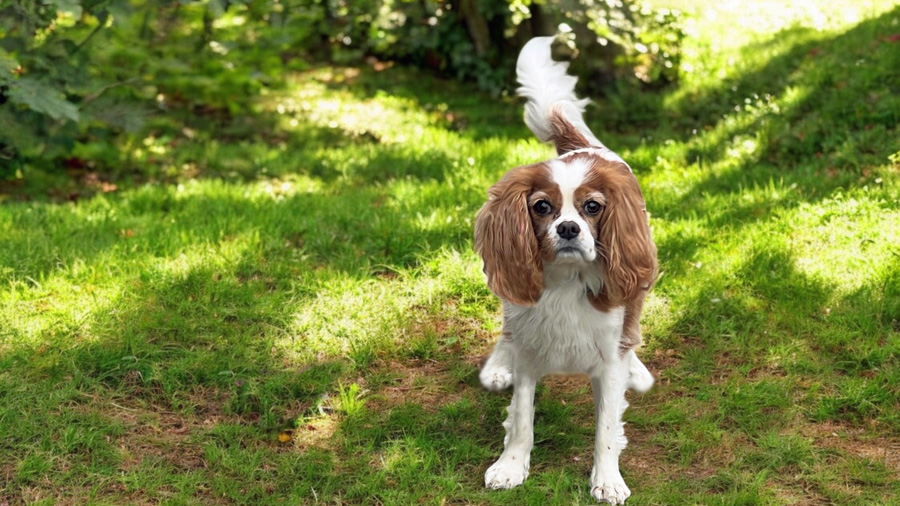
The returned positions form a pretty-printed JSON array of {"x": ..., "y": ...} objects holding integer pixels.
[{"x": 583, "y": 209}]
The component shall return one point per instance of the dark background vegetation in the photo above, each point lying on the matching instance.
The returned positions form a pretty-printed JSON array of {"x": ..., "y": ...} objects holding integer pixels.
[{"x": 82, "y": 81}]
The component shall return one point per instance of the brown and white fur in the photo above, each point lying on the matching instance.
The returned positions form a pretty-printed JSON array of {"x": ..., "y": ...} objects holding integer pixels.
[{"x": 566, "y": 245}]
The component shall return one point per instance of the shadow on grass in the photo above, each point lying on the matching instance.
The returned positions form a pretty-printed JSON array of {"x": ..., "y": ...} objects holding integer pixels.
[
  {"x": 807, "y": 349},
  {"x": 850, "y": 76},
  {"x": 171, "y": 333},
  {"x": 840, "y": 125},
  {"x": 357, "y": 230},
  {"x": 264, "y": 147},
  {"x": 766, "y": 354},
  {"x": 833, "y": 93},
  {"x": 176, "y": 375},
  {"x": 462, "y": 109}
]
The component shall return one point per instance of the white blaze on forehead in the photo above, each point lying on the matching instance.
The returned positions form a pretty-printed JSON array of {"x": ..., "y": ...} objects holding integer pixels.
[{"x": 569, "y": 175}]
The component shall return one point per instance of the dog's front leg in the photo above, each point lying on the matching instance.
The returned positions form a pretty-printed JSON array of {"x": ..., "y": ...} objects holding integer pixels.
[
  {"x": 511, "y": 468},
  {"x": 608, "y": 385}
]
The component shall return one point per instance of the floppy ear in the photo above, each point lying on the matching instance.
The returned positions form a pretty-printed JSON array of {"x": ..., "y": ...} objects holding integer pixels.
[
  {"x": 504, "y": 237},
  {"x": 628, "y": 253}
]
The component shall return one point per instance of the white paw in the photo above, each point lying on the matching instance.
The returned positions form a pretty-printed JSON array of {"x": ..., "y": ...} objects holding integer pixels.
[
  {"x": 505, "y": 474},
  {"x": 640, "y": 379},
  {"x": 610, "y": 489},
  {"x": 495, "y": 378}
]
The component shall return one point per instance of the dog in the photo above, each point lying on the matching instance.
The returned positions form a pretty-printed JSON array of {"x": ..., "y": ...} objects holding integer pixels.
[{"x": 566, "y": 245}]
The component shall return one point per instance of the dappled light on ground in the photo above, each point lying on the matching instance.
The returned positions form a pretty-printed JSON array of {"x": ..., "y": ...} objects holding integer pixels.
[{"x": 288, "y": 305}]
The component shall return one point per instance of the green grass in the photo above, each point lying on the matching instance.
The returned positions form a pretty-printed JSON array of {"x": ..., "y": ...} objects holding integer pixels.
[{"x": 285, "y": 307}]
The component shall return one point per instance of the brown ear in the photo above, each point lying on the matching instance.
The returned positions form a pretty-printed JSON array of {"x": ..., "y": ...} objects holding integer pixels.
[
  {"x": 504, "y": 237},
  {"x": 628, "y": 253}
]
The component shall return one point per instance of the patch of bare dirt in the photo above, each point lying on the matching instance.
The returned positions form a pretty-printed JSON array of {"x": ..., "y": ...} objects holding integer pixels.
[
  {"x": 642, "y": 456},
  {"x": 72, "y": 496},
  {"x": 841, "y": 441},
  {"x": 801, "y": 494},
  {"x": 314, "y": 432},
  {"x": 857, "y": 442},
  {"x": 456, "y": 332},
  {"x": 570, "y": 389},
  {"x": 427, "y": 383},
  {"x": 659, "y": 359},
  {"x": 158, "y": 432},
  {"x": 8, "y": 469},
  {"x": 652, "y": 462},
  {"x": 423, "y": 382}
]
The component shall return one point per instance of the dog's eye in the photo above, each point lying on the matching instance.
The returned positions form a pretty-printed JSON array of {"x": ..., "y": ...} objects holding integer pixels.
[
  {"x": 592, "y": 207},
  {"x": 542, "y": 207}
]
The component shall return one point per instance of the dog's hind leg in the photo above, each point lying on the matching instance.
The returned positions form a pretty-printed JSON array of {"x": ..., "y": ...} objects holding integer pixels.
[
  {"x": 639, "y": 377},
  {"x": 496, "y": 373}
]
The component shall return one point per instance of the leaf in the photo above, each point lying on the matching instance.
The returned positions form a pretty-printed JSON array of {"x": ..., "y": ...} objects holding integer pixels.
[{"x": 43, "y": 98}]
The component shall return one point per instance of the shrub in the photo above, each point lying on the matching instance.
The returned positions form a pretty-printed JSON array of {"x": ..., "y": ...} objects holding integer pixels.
[{"x": 76, "y": 73}]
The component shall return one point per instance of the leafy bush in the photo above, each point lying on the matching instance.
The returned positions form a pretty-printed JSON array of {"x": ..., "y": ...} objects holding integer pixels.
[
  {"x": 78, "y": 78},
  {"x": 76, "y": 73},
  {"x": 43, "y": 72},
  {"x": 479, "y": 40}
]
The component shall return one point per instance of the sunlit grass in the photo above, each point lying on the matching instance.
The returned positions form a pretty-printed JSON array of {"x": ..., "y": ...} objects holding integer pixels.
[
  {"x": 288, "y": 306},
  {"x": 715, "y": 49}
]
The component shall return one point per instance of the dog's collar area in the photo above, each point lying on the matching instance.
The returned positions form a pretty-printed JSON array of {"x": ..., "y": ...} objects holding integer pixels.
[
  {"x": 596, "y": 151},
  {"x": 590, "y": 150}
]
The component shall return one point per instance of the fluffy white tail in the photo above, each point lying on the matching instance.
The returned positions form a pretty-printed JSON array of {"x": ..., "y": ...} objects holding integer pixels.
[{"x": 551, "y": 98}]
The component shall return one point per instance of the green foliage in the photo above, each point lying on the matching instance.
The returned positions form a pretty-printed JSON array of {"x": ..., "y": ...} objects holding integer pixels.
[
  {"x": 83, "y": 73},
  {"x": 42, "y": 98},
  {"x": 284, "y": 307},
  {"x": 624, "y": 41},
  {"x": 81, "y": 81},
  {"x": 478, "y": 40}
]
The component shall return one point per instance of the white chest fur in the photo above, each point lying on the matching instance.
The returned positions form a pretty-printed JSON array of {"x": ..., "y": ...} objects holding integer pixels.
[{"x": 563, "y": 332}]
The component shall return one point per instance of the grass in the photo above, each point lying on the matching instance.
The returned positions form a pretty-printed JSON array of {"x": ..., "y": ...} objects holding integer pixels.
[{"x": 285, "y": 308}]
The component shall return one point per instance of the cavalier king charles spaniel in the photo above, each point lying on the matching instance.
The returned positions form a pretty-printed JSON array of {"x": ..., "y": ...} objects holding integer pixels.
[{"x": 566, "y": 245}]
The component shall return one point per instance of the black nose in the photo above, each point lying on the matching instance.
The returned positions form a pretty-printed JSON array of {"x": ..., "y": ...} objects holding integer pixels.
[{"x": 568, "y": 230}]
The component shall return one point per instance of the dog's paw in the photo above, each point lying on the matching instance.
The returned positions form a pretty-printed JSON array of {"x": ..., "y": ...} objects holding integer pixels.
[
  {"x": 495, "y": 378},
  {"x": 505, "y": 474},
  {"x": 640, "y": 379},
  {"x": 609, "y": 489}
]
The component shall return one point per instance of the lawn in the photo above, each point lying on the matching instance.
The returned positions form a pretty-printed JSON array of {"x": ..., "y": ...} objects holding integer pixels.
[{"x": 284, "y": 307}]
